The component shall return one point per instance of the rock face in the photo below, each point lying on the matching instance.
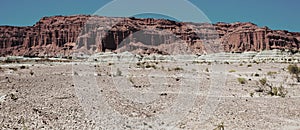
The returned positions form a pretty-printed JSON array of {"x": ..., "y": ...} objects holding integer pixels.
[
  {"x": 63, "y": 35},
  {"x": 49, "y": 36},
  {"x": 240, "y": 37}
]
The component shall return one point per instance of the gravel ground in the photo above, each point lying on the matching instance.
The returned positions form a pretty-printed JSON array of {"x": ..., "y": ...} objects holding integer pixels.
[{"x": 151, "y": 95}]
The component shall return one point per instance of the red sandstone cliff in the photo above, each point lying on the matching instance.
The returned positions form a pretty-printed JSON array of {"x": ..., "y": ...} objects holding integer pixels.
[
  {"x": 62, "y": 35},
  {"x": 241, "y": 37}
]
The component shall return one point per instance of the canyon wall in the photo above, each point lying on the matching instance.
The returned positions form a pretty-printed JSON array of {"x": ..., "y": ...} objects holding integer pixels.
[{"x": 63, "y": 35}]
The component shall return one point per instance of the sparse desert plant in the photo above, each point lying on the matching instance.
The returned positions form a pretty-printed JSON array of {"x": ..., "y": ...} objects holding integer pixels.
[
  {"x": 153, "y": 66},
  {"x": 178, "y": 69},
  {"x": 249, "y": 65},
  {"x": 251, "y": 94},
  {"x": 207, "y": 70},
  {"x": 220, "y": 126},
  {"x": 259, "y": 69},
  {"x": 282, "y": 91},
  {"x": 241, "y": 64},
  {"x": 277, "y": 91},
  {"x": 256, "y": 75},
  {"x": 119, "y": 72},
  {"x": 13, "y": 68},
  {"x": 175, "y": 69},
  {"x": 150, "y": 66},
  {"x": 241, "y": 80},
  {"x": 232, "y": 71},
  {"x": 23, "y": 67},
  {"x": 270, "y": 73},
  {"x": 13, "y": 97},
  {"x": 259, "y": 90},
  {"x": 131, "y": 80},
  {"x": 295, "y": 71},
  {"x": 263, "y": 81},
  {"x": 273, "y": 91},
  {"x": 31, "y": 72},
  {"x": 196, "y": 62}
]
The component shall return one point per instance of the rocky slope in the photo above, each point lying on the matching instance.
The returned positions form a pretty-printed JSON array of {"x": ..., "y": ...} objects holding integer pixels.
[{"x": 62, "y": 35}]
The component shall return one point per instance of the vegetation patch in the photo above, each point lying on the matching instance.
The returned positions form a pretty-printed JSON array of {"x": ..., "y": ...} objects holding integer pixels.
[
  {"x": 232, "y": 71},
  {"x": 242, "y": 80},
  {"x": 270, "y": 73},
  {"x": 206, "y": 70},
  {"x": 273, "y": 91},
  {"x": 23, "y": 67},
  {"x": 178, "y": 69},
  {"x": 220, "y": 126},
  {"x": 263, "y": 81},
  {"x": 277, "y": 91},
  {"x": 31, "y": 72},
  {"x": 147, "y": 65},
  {"x": 119, "y": 72},
  {"x": 294, "y": 70}
]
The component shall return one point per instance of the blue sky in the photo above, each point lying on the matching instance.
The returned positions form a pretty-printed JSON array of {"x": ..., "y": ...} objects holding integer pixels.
[{"x": 276, "y": 14}]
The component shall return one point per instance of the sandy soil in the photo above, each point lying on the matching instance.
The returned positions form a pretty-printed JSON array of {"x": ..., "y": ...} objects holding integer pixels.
[{"x": 151, "y": 95}]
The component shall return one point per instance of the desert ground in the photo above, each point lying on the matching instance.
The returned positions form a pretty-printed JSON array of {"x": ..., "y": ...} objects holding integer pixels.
[{"x": 148, "y": 95}]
